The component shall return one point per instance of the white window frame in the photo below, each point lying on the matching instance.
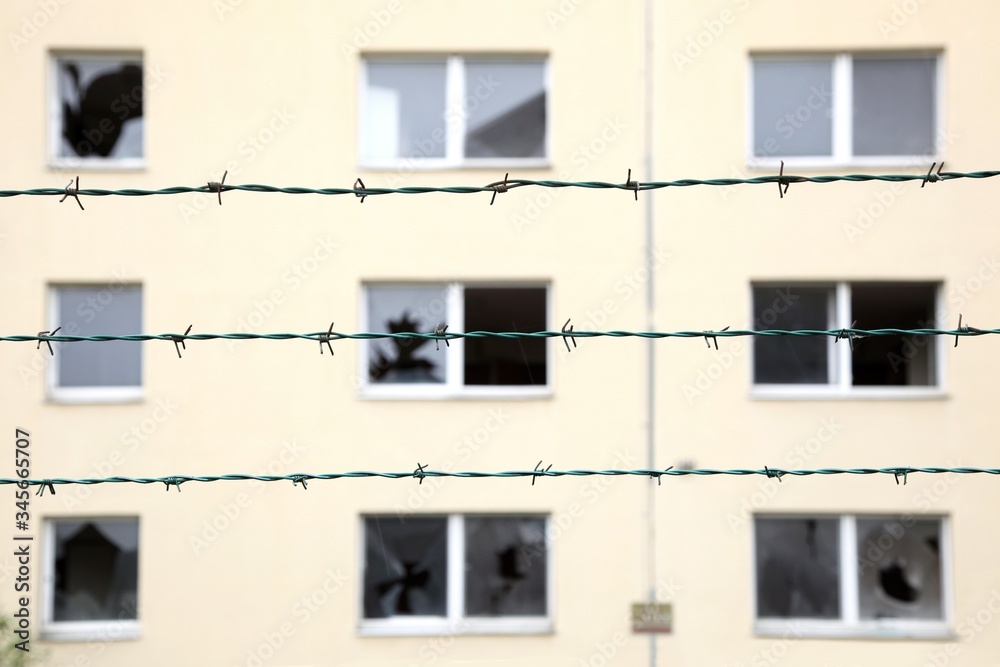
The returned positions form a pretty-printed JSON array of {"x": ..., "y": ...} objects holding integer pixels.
[
  {"x": 454, "y": 115},
  {"x": 78, "y": 395},
  {"x": 80, "y": 631},
  {"x": 839, "y": 385},
  {"x": 55, "y": 116},
  {"x": 455, "y": 622},
  {"x": 454, "y": 386},
  {"x": 842, "y": 83},
  {"x": 849, "y": 624}
]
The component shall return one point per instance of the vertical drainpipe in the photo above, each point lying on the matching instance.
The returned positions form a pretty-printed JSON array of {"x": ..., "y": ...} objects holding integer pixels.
[{"x": 650, "y": 319}]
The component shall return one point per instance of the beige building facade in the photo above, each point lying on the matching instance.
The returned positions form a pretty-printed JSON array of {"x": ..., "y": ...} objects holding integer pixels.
[{"x": 820, "y": 570}]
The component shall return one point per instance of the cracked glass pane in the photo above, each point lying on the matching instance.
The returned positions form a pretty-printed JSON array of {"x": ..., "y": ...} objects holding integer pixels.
[
  {"x": 96, "y": 570},
  {"x": 100, "y": 107},
  {"x": 797, "y": 568},
  {"x": 406, "y": 564},
  {"x": 505, "y": 566},
  {"x": 899, "y": 568},
  {"x": 417, "y": 309}
]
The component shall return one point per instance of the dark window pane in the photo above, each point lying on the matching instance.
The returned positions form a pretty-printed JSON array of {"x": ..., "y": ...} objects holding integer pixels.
[
  {"x": 96, "y": 570},
  {"x": 899, "y": 569},
  {"x": 894, "y": 106},
  {"x": 797, "y": 568},
  {"x": 494, "y": 361},
  {"x": 505, "y": 109},
  {"x": 89, "y": 311},
  {"x": 401, "y": 309},
  {"x": 406, "y": 565},
  {"x": 792, "y": 108},
  {"x": 406, "y": 104},
  {"x": 505, "y": 566},
  {"x": 100, "y": 107},
  {"x": 892, "y": 360},
  {"x": 791, "y": 359}
]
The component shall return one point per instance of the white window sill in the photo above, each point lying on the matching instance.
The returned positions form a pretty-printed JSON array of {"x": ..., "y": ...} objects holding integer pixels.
[
  {"x": 91, "y": 631},
  {"x": 97, "y": 164},
  {"x": 418, "y": 627},
  {"x": 439, "y": 164},
  {"x": 92, "y": 395},
  {"x": 813, "y": 629},
  {"x": 835, "y": 393},
  {"x": 433, "y": 393},
  {"x": 829, "y": 163}
]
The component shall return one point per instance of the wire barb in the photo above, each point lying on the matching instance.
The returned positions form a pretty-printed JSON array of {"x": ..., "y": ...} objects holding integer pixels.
[
  {"x": 325, "y": 338},
  {"x": 773, "y": 473},
  {"x": 440, "y": 331},
  {"x": 714, "y": 339},
  {"x": 539, "y": 471},
  {"x": 632, "y": 185},
  {"x": 657, "y": 475},
  {"x": 850, "y": 335},
  {"x": 565, "y": 338},
  {"x": 42, "y": 335},
  {"x": 903, "y": 472},
  {"x": 359, "y": 185},
  {"x": 499, "y": 187},
  {"x": 45, "y": 484},
  {"x": 73, "y": 192},
  {"x": 216, "y": 186},
  {"x": 419, "y": 472},
  {"x": 179, "y": 341},
  {"x": 300, "y": 479},
  {"x": 935, "y": 177},
  {"x": 175, "y": 481}
]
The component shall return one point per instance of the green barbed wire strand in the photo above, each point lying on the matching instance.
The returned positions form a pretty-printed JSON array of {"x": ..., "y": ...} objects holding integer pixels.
[
  {"x": 324, "y": 336},
  {"x": 502, "y": 186},
  {"x": 421, "y": 472}
]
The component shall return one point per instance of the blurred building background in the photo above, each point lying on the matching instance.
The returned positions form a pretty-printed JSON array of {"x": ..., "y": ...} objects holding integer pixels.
[{"x": 838, "y": 570}]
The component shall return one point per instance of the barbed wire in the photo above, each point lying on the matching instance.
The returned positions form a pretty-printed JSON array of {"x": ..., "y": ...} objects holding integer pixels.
[
  {"x": 361, "y": 191},
  {"x": 422, "y": 472},
  {"x": 566, "y": 333}
]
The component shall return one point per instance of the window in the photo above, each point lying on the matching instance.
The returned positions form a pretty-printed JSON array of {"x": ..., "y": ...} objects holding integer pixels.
[
  {"x": 850, "y": 575},
  {"x": 453, "y": 111},
  {"x": 98, "y": 110},
  {"x": 91, "y": 582},
  {"x": 876, "y": 365},
  {"x": 471, "y": 366},
  {"x": 96, "y": 371},
  {"x": 848, "y": 108},
  {"x": 480, "y": 573}
]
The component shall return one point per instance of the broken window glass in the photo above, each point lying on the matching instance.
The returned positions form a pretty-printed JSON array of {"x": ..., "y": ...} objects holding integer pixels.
[
  {"x": 505, "y": 566},
  {"x": 96, "y": 570},
  {"x": 899, "y": 569},
  {"x": 406, "y": 566},
  {"x": 797, "y": 568},
  {"x": 100, "y": 107}
]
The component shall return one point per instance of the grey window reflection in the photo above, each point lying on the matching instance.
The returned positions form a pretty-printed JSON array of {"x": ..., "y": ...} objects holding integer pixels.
[
  {"x": 787, "y": 359},
  {"x": 793, "y": 108},
  {"x": 797, "y": 568},
  {"x": 400, "y": 309},
  {"x": 899, "y": 569},
  {"x": 894, "y": 106},
  {"x": 505, "y": 109},
  {"x": 406, "y": 105},
  {"x": 406, "y": 566},
  {"x": 100, "y": 107},
  {"x": 505, "y": 571},
  {"x": 96, "y": 570},
  {"x": 100, "y": 310}
]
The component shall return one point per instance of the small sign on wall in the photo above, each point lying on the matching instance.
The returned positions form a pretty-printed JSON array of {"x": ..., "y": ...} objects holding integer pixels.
[{"x": 652, "y": 617}]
